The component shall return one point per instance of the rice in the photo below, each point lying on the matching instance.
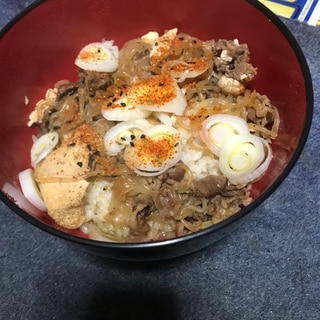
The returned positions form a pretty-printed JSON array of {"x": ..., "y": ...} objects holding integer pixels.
[
  {"x": 99, "y": 192},
  {"x": 201, "y": 165},
  {"x": 97, "y": 200},
  {"x": 99, "y": 196},
  {"x": 97, "y": 208}
]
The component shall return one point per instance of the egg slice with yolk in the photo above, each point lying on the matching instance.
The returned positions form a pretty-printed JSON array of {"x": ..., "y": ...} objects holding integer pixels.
[{"x": 154, "y": 151}]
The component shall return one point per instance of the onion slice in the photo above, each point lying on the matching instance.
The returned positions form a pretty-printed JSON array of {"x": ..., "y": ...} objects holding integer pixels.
[
  {"x": 98, "y": 56},
  {"x": 244, "y": 158},
  {"x": 43, "y": 146},
  {"x": 182, "y": 70},
  {"x": 30, "y": 189},
  {"x": 122, "y": 134},
  {"x": 261, "y": 169},
  {"x": 216, "y": 129}
]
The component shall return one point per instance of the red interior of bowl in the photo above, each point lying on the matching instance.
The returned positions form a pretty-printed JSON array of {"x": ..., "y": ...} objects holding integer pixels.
[{"x": 40, "y": 48}]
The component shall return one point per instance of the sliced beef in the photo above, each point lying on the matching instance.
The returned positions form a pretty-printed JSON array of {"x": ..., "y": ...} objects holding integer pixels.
[
  {"x": 210, "y": 186},
  {"x": 176, "y": 173},
  {"x": 142, "y": 205},
  {"x": 67, "y": 89},
  {"x": 72, "y": 106},
  {"x": 233, "y": 60},
  {"x": 93, "y": 81},
  {"x": 168, "y": 201}
]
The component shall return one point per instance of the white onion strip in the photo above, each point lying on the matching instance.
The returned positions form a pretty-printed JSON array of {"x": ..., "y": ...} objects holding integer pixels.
[{"x": 30, "y": 189}]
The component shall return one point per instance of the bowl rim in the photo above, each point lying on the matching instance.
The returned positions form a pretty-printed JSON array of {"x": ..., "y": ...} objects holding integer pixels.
[{"x": 221, "y": 225}]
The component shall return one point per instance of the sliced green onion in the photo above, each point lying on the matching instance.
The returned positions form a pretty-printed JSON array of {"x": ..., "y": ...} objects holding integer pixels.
[
  {"x": 112, "y": 139},
  {"x": 244, "y": 158},
  {"x": 216, "y": 129},
  {"x": 43, "y": 146}
]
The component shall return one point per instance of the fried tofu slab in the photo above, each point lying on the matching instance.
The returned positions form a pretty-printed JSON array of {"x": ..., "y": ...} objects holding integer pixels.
[
  {"x": 61, "y": 176},
  {"x": 64, "y": 202}
]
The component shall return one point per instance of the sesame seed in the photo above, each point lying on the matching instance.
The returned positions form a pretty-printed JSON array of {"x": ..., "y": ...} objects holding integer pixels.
[{"x": 123, "y": 104}]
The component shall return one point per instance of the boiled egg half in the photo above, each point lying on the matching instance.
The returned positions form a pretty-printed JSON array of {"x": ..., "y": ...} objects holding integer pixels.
[{"x": 154, "y": 151}]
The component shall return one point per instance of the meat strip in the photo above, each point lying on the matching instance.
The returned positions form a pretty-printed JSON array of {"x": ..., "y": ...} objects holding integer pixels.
[{"x": 210, "y": 186}]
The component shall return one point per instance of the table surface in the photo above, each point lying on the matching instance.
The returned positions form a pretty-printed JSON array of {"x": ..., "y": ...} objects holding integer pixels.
[{"x": 269, "y": 268}]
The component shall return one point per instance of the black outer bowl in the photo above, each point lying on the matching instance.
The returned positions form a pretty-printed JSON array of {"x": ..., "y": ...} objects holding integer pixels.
[{"x": 187, "y": 244}]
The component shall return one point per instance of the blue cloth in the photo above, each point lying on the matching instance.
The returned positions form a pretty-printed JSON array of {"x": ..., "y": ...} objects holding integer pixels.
[{"x": 269, "y": 268}]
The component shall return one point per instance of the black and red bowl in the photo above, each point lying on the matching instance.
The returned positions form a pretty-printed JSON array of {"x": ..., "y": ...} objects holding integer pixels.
[{"x": 38, "y": 48}]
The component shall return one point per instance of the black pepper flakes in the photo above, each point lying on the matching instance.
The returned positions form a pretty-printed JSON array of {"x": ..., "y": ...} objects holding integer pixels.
[
  {"x": 80, "y": 164},
  {"x": 123, "y": 104},
  {"x": 131, "y": 144}
]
